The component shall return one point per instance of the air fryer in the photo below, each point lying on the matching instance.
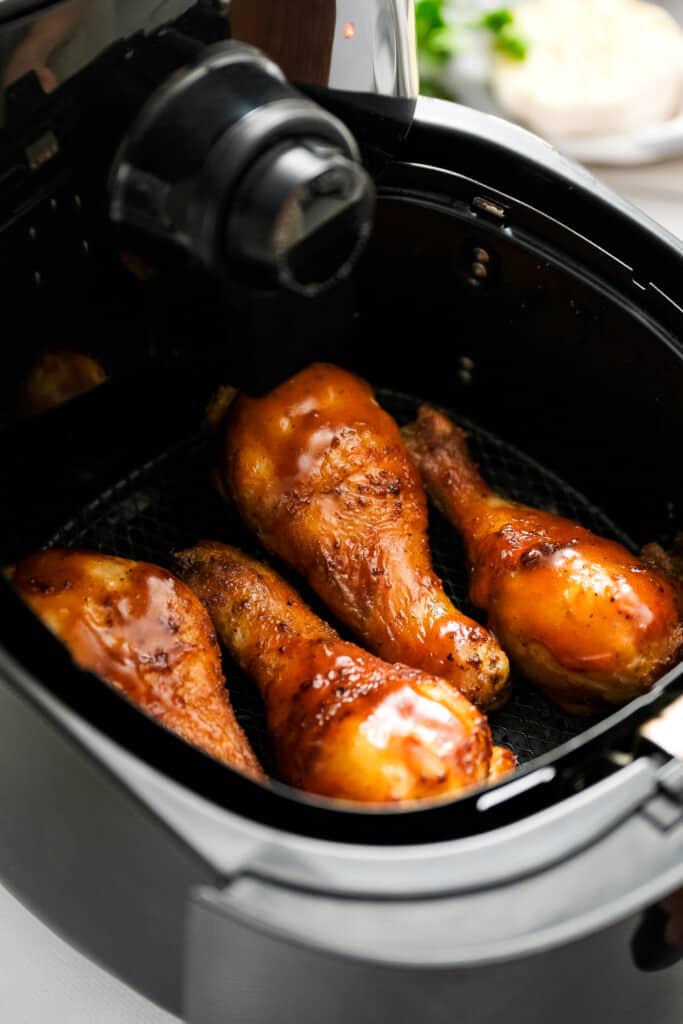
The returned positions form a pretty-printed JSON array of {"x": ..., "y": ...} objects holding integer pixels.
[{"x": 469, "y": 264}]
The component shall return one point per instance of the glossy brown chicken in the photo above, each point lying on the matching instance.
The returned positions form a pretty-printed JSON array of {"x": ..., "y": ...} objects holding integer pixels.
[
  {"x": 144, "y": 632},
  {"x": 343, "y": 723},
  {"x": 56, "y": 378},
  {"x": 321, "y": 473},
  {"x": 586, "y": 620}
]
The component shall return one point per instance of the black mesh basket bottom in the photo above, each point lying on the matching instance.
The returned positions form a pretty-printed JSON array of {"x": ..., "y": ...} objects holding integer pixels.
[{"x": 170, "y": 503}]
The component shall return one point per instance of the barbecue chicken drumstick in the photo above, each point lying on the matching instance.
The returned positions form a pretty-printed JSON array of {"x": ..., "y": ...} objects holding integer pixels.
[
  {"x": 343, "y": 723},
  {"x": 585, "y": 619},
  {"x": 319, "y": 471},
  {"x": 144, "y": 632}
]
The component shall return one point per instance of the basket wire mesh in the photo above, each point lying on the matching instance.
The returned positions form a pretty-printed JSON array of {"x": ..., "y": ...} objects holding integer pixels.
[{"x": 170, "y": 503}]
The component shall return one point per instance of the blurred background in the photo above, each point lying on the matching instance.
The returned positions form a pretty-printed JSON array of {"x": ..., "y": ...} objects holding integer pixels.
[{"x": 602, "y": 80}]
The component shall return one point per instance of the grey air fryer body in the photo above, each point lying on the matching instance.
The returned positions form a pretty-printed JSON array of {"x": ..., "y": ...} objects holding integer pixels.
[{"x": 478, "y": 269}]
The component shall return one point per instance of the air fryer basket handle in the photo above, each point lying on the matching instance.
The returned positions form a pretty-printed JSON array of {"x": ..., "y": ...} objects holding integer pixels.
[
  {"x": 235, "y": 846},
  {"x": 592, "y": 890}
]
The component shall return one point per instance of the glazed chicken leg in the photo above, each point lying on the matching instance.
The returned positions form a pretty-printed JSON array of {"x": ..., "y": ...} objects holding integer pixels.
[
  {"x": 587, "y": 621},
  {"x": 144, "y": 632},
  {"x": 320, "y": 472},
  {"x": 343, "y": 723}
]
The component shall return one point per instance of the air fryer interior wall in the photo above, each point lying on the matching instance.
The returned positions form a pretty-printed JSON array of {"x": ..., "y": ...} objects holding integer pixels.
[
  {"x": 564, "y": 366},
  {"x": 541, "y": 354}
]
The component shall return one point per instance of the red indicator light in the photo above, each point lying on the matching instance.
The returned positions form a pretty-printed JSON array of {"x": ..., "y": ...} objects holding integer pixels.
[{"x": 349, "y": 30}]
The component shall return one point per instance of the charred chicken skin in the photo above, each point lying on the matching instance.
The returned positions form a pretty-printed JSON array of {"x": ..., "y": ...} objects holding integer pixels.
[
  {"x": 144, "y": 632},
  {"x": 344, "y": 723},
  {"x": 319, "y": 471},
  {"x": 585, "y": 619}
]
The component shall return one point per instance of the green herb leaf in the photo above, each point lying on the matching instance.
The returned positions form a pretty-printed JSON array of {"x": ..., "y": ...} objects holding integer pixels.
[
  {"x": 437, "y": 40},
  {"x": 494, "y": 21},
  {"x": 428, "y": 17},
  {"x": 443, "y": 43},
  {"x": 511, "y": 44}
]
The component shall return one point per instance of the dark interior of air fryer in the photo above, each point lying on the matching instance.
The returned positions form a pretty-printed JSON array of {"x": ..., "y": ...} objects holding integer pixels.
[{"x": 571, "y": 398}]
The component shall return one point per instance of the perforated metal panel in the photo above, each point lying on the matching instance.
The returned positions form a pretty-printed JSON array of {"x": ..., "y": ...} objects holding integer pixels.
[{"x": 170, "y": 503}]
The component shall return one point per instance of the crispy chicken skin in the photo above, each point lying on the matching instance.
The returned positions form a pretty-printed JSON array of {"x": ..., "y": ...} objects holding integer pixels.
[
  {"x": 144, "y": 632},
  {"x": 586, "y": 620},
  {"x": 56, "y": 378},
  {"x": 344, "y": 723},
  {"x": 319, "y": 471}
]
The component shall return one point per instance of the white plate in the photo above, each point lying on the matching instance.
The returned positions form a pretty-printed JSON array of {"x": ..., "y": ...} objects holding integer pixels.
[{"x": 468, "y": 78}]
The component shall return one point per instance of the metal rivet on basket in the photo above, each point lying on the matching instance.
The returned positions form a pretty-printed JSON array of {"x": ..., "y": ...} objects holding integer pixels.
[{"x": 488, "y": 207}]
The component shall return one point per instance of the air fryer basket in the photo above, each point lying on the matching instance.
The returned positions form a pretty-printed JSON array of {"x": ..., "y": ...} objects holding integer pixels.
[
  {"x": 558, "y": 357},
  {"x": 170, "y": 502}
]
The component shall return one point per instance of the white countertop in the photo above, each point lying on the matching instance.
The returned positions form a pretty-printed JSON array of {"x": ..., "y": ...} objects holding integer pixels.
[
  {"x": 657, "y": 189},
  {"x": 42, "y": 979}
]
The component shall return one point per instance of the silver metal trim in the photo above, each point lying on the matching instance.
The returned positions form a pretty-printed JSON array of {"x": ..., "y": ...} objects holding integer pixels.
[
  {"x": 408, "y": 75},
  {"x": 366, "y": 63}
]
